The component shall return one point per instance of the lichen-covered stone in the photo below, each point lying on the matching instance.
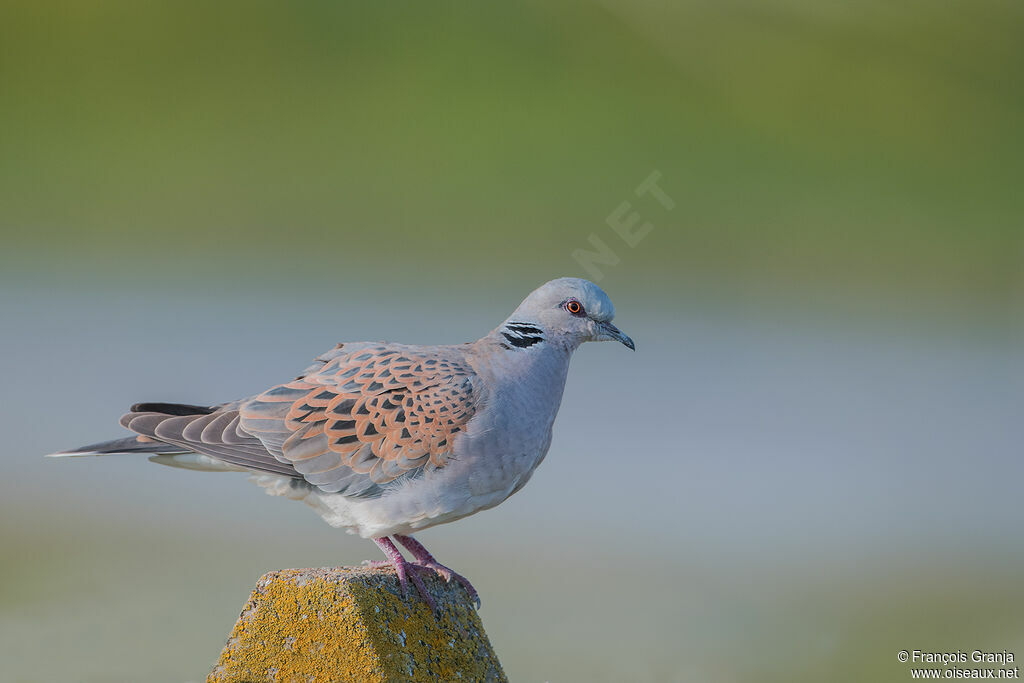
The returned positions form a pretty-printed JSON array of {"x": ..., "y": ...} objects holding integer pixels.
[{"x": 352, "y": 624}]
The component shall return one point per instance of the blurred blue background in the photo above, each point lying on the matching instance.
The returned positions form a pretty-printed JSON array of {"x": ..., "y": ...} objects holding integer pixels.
[{"x": 812, "y": 461}]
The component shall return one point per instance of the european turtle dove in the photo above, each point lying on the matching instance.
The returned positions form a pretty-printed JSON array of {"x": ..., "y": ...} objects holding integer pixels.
[{"x": 386, "y": 439}]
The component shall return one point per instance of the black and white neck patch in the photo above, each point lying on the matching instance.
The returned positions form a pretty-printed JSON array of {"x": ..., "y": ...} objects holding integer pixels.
[{"x": 521, "y": 335}]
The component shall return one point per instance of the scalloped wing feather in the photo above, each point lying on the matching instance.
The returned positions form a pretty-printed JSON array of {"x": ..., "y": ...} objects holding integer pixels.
[{"x": 367, "y": 416}]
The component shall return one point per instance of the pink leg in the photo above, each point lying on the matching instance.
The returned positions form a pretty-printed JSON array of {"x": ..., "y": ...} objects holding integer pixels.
[
  {"x": 426, "y": 561},
  {"x": 401, "y": 566}
]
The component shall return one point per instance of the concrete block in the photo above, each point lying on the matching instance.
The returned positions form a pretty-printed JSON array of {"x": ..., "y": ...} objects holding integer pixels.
[{"x": 352, "y": 624}]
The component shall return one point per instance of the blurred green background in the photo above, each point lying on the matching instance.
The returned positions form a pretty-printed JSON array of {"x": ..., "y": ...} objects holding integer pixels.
[
  {"x": 827, "y": 144},
  {"x": 197, "y": 197}
]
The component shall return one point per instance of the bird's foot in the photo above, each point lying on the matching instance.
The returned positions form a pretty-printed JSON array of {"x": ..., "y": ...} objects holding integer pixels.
[
  {"x": 424, "y": 560},
  {"x": 448, "y": 574},
  {"x": 402, "y": 568}
]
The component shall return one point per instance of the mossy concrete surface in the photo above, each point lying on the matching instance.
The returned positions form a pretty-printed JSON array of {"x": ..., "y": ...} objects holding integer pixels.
[{"x": 352, "y": 624}]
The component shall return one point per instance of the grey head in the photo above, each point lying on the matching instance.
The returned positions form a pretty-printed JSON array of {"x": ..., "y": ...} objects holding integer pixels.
[{"x": 568, "y": 311}]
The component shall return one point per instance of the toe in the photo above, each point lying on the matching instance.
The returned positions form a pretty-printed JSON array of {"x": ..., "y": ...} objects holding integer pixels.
[
  {"x": 427, "y": 598},
  {"x": 403, "y": 581},
  {"x": 444, "y": 573},
  {"x": 377, "y": 564}
]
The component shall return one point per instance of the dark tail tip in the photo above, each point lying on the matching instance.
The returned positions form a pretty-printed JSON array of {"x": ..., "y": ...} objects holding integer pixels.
[{"x": 171, "y": 409}]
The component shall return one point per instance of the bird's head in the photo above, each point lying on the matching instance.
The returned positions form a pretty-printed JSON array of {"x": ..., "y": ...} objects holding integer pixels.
[{"x": 568, "y": 309}]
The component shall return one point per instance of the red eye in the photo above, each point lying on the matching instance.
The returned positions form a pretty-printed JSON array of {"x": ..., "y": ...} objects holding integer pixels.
[{"x": 574, "y": 307}]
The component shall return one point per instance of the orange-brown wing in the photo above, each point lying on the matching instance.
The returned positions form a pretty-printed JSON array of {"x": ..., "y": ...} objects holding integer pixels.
[{"x": 366, "y": 417}]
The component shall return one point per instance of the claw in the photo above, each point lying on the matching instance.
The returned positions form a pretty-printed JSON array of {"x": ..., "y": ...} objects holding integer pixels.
[{"x": 447, "y": 574}]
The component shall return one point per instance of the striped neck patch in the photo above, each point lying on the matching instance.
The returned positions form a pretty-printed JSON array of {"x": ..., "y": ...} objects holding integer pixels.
[{"x": 521, "y": 335}]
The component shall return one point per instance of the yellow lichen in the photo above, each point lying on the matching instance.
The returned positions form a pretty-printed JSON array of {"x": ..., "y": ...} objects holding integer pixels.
[{"x": 352, "y": 624}]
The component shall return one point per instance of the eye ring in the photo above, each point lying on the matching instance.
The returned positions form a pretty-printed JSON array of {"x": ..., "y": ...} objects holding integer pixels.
[{"x": 574, "y": 307}]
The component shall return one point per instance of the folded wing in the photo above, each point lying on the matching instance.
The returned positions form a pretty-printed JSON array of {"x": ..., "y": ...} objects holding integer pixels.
[
  {"x": 362, "y": 417},
  {"x": 365, "y": 418}
]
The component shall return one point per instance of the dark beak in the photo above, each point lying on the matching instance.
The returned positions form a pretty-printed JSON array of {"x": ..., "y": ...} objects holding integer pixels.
[{"x": 611, "y": 333}]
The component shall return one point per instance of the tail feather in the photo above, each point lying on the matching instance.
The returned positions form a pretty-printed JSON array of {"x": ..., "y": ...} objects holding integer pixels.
[
  {"x": 195, "y": 461},
  {"x": 125, "y": 446},
  {"x": 172, "y": 409},
  {"x": 190, "y": 437},
  {"x": 139, "y": 444}
]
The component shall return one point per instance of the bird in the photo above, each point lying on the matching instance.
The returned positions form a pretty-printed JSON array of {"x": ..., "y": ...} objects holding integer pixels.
[{"x": 385, "y": 439}]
